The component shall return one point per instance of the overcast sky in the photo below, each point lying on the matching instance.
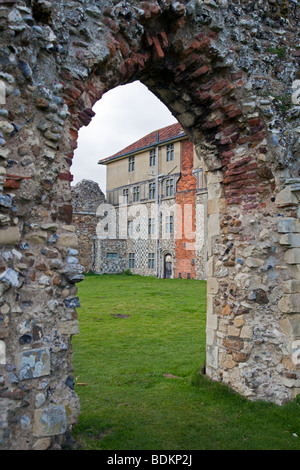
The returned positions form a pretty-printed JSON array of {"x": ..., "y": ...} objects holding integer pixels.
[{"x": 123, "y": 115}]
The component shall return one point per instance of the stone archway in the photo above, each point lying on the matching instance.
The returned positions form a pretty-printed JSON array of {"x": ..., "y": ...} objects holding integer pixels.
[{"x": 232, "y": 80}]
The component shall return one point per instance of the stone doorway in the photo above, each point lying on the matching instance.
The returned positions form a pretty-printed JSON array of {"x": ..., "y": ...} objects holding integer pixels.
[
  {"x": 235, "y": 91},
  {"x": 168, "y": 266}
]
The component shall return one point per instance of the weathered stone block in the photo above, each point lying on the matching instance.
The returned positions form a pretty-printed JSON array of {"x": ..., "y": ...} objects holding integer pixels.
[
  {"x": 233, "y": 343},
  {"x": 50, "y": 421},
  {"x": 213, "y": 225},
  {"x": 254, "y": 262},
  {"x": 239, "y": 321},
  {"x": 33, "y": 363},
  {"x": 212, "y": 322},
  {"x": 216, "y": 206},
  {"x": 290, "y": 239},
  {"x": 69, "y": 240},
  {"x": 2, "y": 352},
  {"x": 240, "y": 356},
  {"x": 210, "y": 337},
  {"x": 233, "y": 331},
  {"x": 9, "y": 236},
  {"x": 37, "y": 238},
  {"x": 292, "y": 256},
  {"x": 246, "y": 332},
  {"x": 289, "y": 303},
  {"x": 288, "y": 225},
  {"x": 286, "y": 197},
  {"x": 212, "y": 353},
  {"x": 291, "y": 287},
  {"x": 212, "y": 286}
]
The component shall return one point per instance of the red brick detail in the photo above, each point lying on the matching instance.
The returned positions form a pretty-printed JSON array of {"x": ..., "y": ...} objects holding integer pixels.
[
  {"x": 236, "y": 76},
  {"x": 158, "y": 47},
  {"x": 73, "y": 92},
  {"x": 12, "y": 184},
  {"x": 14, "y": 181},
  {"x": 66, "y": 176},
  {"x": 164, "y": 38},
  {"x": 218, "y": 86},
  {"x": 86, "y": 116},
  {"x": 186, "y": 218}
]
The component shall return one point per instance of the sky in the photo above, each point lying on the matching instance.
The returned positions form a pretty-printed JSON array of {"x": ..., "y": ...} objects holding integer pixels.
[{"x": 123, "y": 116}]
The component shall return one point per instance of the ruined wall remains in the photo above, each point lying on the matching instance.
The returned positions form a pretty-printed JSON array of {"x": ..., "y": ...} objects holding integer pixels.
[
  {"x": 229, "y": 71},
  {"x": 86, "y": 198}
]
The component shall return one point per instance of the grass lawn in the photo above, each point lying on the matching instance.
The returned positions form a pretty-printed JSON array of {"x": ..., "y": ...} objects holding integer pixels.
[{"x": 136, "y": 359}]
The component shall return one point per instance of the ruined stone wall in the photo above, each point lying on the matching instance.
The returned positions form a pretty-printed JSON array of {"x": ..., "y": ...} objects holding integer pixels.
[
  {"x": 229, "y": 71},
  {"x": 86, "y": 198}
]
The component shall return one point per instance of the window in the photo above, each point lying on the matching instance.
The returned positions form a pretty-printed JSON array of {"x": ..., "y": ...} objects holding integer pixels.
[
  {"x": 169, "y": 224},
  {"x": 170, "y": 187},
  {"x": 152, "y": 191},
  {"x": 200, "y": 179},
  {"x": 126, "y": 195},
  {"x": 129, "y": 228},
  {"x": 151, "y": 226},
  {"x": 152, "y": 157},
  {"x": 131, "y": 260},
  {"x": 136, "y": 193},
  {"x": 151, "y": 260},
  {"x": 111, "y": 255},
  {"x": 131, "y": 164},
  {"x": 170, "y": 152}
]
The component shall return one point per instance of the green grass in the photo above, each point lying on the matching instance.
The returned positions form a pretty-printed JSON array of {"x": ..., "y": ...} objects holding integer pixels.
[{"x": 139, "y": 352}]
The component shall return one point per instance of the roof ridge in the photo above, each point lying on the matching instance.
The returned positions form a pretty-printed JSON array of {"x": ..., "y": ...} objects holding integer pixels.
[{"x": 149, "y": 140}]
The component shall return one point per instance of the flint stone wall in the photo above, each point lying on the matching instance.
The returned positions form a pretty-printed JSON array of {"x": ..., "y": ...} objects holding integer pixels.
[
  {"x": 229, "y": 71},
  {"x": 86, "y": 198}
]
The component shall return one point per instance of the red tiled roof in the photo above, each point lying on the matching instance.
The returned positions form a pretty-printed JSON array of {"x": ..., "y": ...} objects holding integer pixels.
[{"x": 156, "y": 137}]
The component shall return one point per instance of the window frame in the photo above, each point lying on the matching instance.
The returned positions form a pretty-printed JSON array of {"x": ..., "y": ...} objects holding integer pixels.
[
  {"x": 111, "y": 253},
  {"x": 126, "y": 195},
  {"x": 131, "y": 260},
  {"x": 169, "y": 224},
  {"x": 152, "y": 157},
  {"x": 131, "y": 163},
  {"x": 151, "y": 260},
  {"x": 136, "y": 193},
  {"x": 170, "y": 186},
  {"x": 169, "y": 152},
  {"x": 152, "y": 190}
]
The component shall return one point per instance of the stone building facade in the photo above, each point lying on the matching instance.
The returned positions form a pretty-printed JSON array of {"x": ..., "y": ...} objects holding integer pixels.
[
  {"x": 229, "y": 72},
  {"x": 157, "y": 191}
]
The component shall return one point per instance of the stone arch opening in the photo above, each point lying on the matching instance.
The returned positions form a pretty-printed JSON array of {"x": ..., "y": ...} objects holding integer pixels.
[{"x": 235, "y": 92}]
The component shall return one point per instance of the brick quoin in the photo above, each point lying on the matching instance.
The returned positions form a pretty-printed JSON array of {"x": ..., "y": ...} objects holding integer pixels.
[{"x": 185, "y": 198}]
